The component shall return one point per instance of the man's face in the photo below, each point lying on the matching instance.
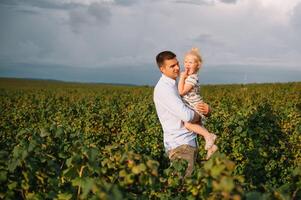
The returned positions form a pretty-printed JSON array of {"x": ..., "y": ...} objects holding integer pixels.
[{"x": 171, "y": 68}]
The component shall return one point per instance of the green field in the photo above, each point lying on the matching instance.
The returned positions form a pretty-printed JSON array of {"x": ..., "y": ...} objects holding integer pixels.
[{"x": 91, "y": 141}]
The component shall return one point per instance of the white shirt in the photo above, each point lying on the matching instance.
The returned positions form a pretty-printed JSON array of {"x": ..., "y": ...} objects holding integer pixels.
[{"x": 172, "y": 112}]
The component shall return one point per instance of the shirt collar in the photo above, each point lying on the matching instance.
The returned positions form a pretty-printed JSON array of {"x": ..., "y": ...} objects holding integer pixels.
[{"x": 168, "y": 80}]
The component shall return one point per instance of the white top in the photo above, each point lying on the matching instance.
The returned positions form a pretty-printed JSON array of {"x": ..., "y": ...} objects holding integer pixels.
[
  {"x": 172, "y": 112},
  {"x": 193, "y": 96}
]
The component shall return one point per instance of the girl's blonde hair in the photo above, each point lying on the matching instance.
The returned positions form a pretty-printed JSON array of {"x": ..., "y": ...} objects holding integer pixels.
[{"x": 195, "y": 52}]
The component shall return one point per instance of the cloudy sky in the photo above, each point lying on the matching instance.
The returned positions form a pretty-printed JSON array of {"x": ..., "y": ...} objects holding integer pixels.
[{"x": 116, "y": 41}]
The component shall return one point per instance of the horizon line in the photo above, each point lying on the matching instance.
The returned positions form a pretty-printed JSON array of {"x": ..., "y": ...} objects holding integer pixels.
[{"x": 137, "y": 85}]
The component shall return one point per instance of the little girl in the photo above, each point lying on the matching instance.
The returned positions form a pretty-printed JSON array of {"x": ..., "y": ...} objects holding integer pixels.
[{"x": 189, "y": 90}]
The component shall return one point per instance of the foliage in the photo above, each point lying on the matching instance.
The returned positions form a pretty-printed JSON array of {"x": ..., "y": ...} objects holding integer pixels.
[{"x": 89, "y": 141}]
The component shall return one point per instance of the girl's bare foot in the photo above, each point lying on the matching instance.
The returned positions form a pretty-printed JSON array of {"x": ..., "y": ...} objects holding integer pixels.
[
  {"x": 211, "y": 151},
  {"x": 210, "y": 141}
]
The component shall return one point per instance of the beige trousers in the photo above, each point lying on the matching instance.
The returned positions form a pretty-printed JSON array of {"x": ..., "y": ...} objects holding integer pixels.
[{"x": 187, "y": 153}]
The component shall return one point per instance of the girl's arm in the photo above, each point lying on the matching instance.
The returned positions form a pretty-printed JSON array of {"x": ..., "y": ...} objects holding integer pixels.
[{"x": 182, "y": 87}]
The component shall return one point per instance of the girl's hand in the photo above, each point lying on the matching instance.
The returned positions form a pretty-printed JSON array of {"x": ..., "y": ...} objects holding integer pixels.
[{"x": 184, "y": 74}]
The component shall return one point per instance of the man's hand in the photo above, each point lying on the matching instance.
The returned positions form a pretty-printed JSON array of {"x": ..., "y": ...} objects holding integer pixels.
[{"x": 203, "y": 108}]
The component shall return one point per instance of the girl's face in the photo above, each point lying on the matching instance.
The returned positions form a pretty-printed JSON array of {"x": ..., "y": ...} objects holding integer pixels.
[{"x": 191, "y": 64}]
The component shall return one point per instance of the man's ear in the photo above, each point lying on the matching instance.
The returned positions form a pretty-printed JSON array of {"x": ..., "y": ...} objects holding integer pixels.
[{"x": 161, "y": 68}]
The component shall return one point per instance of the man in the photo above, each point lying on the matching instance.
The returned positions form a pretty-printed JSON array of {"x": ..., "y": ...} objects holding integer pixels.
[{"x": 179, "y": 142}]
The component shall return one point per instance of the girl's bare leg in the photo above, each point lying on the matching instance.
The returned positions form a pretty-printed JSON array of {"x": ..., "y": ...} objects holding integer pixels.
[
  {"x": 209, "y": 137},
  {"x": 211, "y": 151}
]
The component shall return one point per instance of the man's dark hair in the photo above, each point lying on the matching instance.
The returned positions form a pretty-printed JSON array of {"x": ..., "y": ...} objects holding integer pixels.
[{"x": 164, "y": 55}]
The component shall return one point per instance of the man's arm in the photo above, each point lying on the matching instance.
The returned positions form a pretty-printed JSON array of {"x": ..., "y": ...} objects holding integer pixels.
[
  {"x": 204, "y": 108},
  {"x": 172, "y": 102}
]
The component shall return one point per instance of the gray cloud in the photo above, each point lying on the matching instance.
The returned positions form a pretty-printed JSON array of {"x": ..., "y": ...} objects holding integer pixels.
[
  {"x": 96, "y": 14},
  {"x": 204, "y": 2},
  {"x": 48, "y": 4},
  {"x": 195, "y": 2},
  {"x": 101, "y": 12},
  {"x": 208, "y": 39},
  {"x": 10, "y": 2},
  {"x": 56, "y": 4},
  {"x": 80, "y": 14},
  {"x": 25, "y": 37},
  {"x": 126, "y": 2},
  {"x": 296, "y": 17},
  {"x": 229, "y": 1},
  {"x": 28, "y": 11},
  {"x": 124, "y": 36},
  {"x": 295, "y": 40}
]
